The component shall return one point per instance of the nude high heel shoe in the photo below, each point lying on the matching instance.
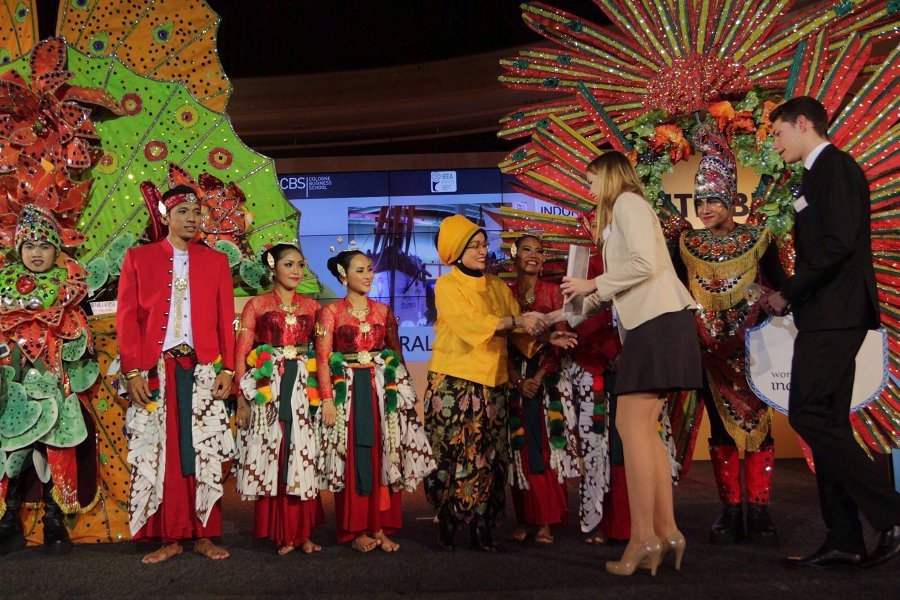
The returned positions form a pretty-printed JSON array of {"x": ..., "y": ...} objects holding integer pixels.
[
  {"x": 649, "y": 551},
  {"x": 674, "y": 543}
]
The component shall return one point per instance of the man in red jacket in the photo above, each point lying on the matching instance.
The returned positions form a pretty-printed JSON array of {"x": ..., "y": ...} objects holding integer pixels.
[{"x": 176, "y": 343}]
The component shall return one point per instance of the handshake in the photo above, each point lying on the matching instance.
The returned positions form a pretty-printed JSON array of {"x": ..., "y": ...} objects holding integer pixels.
[
  {"x": 537, "y": 324},
  {"x": 770, "y": 301}
]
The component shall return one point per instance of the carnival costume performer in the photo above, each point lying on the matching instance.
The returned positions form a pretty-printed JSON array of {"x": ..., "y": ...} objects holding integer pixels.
[
  {"x": 660, "y": 352},
  {"x": 720, "y": 261},
  {"x": 41, "y": 420},
  {"x": 373, "y": 445},
  {"x": 278, "y": 445},
  {"x": 542, "y": 414},
  {"x": 177, "y": 355},
  {"x": 465, "y": 401}
]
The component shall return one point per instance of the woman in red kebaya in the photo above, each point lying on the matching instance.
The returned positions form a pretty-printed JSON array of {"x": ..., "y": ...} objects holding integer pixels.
[
  {"x": 373, "y": 445},
  {"x": 544, "y": 448},
  {"x": 277, "y": 407}
]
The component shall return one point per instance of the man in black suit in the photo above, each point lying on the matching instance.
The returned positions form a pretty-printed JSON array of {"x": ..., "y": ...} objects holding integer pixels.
[{"x": 834, "y": 303}]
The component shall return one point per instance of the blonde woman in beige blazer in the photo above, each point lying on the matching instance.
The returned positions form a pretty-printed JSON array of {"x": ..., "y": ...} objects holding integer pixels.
[{"x": 660, "y": 350}]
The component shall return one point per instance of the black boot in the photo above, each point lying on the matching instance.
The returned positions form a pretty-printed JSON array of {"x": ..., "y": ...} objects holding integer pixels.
[
  {"x": 11, "y": 536},
  {"x": 56, "y": 536},
  {"x": 729, "y": 527},
  {"x": 758, "y": 467},
  {"x": 760, "y": 528},
  {"x": 447, "y": 526},
  {"x": 481, "y": 535}
]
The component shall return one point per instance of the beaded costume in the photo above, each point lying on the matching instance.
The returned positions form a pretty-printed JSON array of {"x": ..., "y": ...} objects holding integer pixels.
[{"x": 45, "y": 340}]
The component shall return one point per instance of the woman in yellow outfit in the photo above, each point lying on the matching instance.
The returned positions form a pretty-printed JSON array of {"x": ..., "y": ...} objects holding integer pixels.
[{"x": 465, "y": 404}]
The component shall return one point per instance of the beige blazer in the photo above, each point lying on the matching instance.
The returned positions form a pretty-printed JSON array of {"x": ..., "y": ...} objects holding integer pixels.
[{"x": 638, "y": 274}]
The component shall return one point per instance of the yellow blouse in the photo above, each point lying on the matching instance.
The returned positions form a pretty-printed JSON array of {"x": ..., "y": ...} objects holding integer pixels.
[{"x": 466, "y": 344}]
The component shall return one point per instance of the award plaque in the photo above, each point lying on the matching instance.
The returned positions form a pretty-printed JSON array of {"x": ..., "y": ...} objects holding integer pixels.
[{"x": 577, "y": 267}]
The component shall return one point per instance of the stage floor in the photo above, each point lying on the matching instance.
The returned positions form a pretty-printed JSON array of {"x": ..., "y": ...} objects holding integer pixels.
[{"x": 567, "y": 569}]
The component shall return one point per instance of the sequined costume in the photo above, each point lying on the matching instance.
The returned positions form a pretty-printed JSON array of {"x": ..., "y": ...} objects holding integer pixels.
[
  {"x": 277, "y": 454},
  {"x": 377, "y": 447},
  {"x": 46, "y": 346},
  {"x": 718, "y": 268},
  {"x": 542, "y": 429},
  {"x": 46, "y": 334}
]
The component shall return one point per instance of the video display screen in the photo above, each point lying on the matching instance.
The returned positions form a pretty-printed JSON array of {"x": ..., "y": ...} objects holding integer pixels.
[{"x": 393, "y": 217}]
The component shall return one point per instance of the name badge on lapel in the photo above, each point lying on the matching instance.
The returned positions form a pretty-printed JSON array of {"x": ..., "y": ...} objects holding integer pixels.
[{"x": 800, "y": 203}]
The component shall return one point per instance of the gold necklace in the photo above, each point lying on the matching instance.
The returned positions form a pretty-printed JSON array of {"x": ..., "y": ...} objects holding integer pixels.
[
  {"x": 360, "y": 315},
  {"x": 288, "y": 309},
  {"x": 528, "y": 298}
]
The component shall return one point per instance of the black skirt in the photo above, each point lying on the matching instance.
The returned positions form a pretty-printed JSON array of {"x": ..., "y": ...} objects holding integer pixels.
[{"x": 662, "y": 354}]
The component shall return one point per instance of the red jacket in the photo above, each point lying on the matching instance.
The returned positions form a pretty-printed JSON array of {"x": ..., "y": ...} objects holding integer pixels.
[{"x": 145, "y": 291}]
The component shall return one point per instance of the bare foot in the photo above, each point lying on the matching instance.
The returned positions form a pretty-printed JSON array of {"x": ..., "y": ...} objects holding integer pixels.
[
  {"x": 543, "y": 535},
  {"x": 518, "y": 536},
  {"x": 205, "y": 547},
  {"x": 364, "y": 543},
  {"x": 387, "y": 544},
  {"x": 286, "y": 549},
  {"x": 596, "y": 537},
  {"x": 164, "y": 552},
  {"x": 310, "y": 546}
]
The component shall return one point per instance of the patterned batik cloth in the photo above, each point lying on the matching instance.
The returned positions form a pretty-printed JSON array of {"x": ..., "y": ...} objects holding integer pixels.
[
  {"x": 400, "y": 456},
  {"x": 164, "y": 502},
  {"x": 278, "y": 452},
  {"x": 467, "y": 427}
]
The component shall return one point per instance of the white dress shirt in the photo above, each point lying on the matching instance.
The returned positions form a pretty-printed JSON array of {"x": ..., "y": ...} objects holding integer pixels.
[
  {"x": 812, "y": 156},
  {"x": 179, "y": 270}
]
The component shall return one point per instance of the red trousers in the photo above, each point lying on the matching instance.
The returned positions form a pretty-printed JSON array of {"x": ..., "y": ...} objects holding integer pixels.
[
  {"x": 177, "y": 518},
  {"x": 358, "y": 515},
  {"x": 287, "y": 520}
]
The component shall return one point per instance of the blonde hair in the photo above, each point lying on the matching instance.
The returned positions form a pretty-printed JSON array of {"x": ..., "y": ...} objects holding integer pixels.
[{"x": 615, "y": 175}]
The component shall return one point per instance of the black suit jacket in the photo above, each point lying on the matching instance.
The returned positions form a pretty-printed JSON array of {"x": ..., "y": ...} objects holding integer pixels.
[{"x": 833, "y": 286}]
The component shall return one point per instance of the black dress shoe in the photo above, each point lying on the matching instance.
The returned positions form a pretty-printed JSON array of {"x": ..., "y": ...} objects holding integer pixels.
[
  {"x": 887, "y": 548},
  {"x": 827, "y": 558},
  {"x": 481, "y": 536}
]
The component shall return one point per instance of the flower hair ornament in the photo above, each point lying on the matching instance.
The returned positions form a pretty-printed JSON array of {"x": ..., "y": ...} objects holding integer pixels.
[
  {"x": 270, "y": 260},
  {"x": 337, "y": 250},
  {"x": 514, "y": 247}
]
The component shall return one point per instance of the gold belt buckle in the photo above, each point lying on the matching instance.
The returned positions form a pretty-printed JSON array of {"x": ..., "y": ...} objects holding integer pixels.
[
  {"x": 181, "y": 349},
  {"x": 290, "y": 352},
  {"x": 364, "y": 357}
]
